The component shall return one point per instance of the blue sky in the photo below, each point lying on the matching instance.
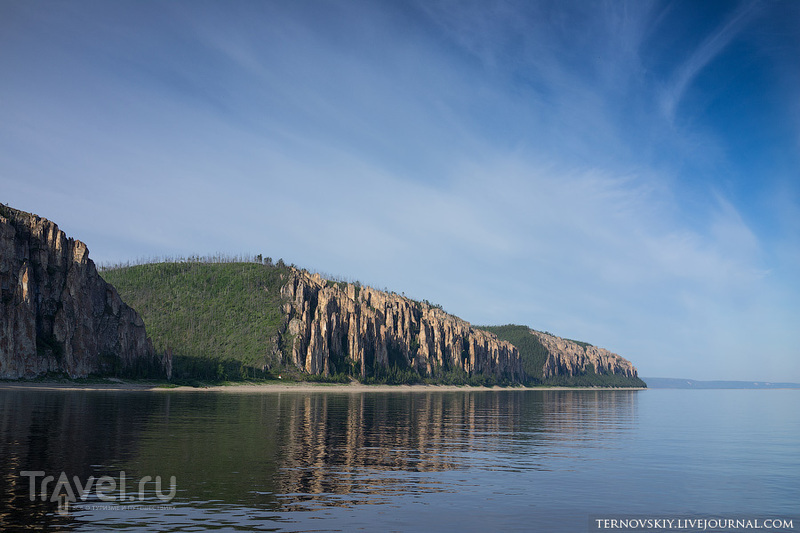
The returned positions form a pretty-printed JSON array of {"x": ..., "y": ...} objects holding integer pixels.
[{"x": 625, "y": 173}]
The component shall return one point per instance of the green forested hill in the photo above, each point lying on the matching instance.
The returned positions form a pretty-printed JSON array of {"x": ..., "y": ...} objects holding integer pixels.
[{"x": 220, "y": 320}]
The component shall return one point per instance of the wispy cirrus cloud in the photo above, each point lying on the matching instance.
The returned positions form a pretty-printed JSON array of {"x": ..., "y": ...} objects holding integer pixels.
[{"x": 710, "y": 48}]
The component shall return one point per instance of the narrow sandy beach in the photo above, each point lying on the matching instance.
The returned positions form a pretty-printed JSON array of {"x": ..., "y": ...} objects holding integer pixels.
[{"x": 277, "y": 387}]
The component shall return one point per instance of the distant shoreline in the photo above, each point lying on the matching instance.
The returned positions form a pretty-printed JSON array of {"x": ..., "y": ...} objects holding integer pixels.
[{"x": 280, "y": 387}]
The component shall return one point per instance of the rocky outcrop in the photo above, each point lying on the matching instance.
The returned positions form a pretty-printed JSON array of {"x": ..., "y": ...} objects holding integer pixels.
[
  {"x": 569, "y": 358},
  {"x": 57, "y": 314},
  {"x": 346, "y": 327},
  {"x": 334, "y": 327}
]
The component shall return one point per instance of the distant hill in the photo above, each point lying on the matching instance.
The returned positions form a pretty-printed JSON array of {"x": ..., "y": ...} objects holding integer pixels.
[
  {"x": 679, "y": 383},
  {"x": 232, "y": 320},
  {"x": 552, "y": 360}
]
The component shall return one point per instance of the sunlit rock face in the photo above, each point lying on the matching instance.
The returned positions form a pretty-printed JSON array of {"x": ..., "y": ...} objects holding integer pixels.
[
  {"x": 333, "y": 325},
  {"x": 569, "y": 358},
  {"x": 336, "y": 327}
]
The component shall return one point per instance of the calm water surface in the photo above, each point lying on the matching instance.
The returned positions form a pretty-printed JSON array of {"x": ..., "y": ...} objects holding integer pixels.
[{"x": 405, "y": 461}]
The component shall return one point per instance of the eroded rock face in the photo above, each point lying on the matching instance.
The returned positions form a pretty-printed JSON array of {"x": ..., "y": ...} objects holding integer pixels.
[
  {"x": 335, "y": 325},
  {"x": 568, "y": 358},
  {"x": 56, "y": 313}
]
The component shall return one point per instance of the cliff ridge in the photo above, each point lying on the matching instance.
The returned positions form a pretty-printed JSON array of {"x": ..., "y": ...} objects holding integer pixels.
[
  {"x": 58, "y": 314},
  {"x": 571, "y": 358},
  {"x": 349, "y": 328}
]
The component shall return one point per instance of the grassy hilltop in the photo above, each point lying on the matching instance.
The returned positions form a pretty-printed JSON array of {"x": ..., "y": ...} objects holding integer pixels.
[{"x": 220, "y": 320}]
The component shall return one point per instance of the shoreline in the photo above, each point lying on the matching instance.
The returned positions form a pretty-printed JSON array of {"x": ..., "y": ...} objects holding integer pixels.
[{"x": 304, "y": 387}]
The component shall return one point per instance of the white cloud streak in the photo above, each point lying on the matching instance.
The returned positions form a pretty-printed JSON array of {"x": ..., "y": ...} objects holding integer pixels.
[{"x": 703, "y": 55}]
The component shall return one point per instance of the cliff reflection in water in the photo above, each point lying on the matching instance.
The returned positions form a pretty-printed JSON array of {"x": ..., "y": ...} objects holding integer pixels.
[
  {"x": 352, "y": 444},
  {"x": 285, "y": 451},
  {"x": 367, "y": 447}
]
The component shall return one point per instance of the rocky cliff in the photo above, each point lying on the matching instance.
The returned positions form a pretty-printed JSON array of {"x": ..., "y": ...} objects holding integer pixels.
[
  {"x": 57, "y": 314},
  {"x": 569, "y": 358},
  {"x": 345, "y": 327}
]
